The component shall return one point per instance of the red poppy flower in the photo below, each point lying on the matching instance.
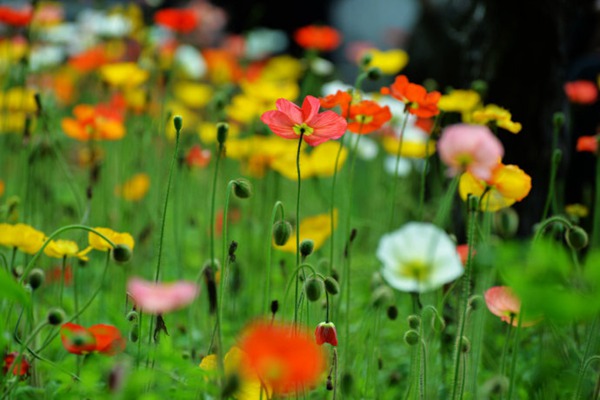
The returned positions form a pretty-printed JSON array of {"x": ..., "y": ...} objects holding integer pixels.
[
  {"x": 57, "y": 274},
  {"x": 587, "y": 143},
  {"x": 316, "y": 37},
  {"x": 14, "y": 17},
  {"x": 326, "y": 333},
  {"x": 284, "y": 356},
  {"x": 178, "y": 20},
  {"x": 340, "y": 98},
  {"x": 418, "y": 101},
  {"x": 581, "y": 92},
  {"x": 367, "y": 116},
  {"x": 105, "y": 339},
  {"x": 502, "y": 302},
  {"x": 89, "y": 60},
  {"x": 197, "y": 157},
  {"x": 18, "y": 370},
  {"x": 289, "y": 121}
]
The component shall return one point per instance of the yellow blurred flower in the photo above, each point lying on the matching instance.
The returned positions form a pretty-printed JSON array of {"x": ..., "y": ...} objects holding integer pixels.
[
  {"x": 96, "y": 242},
  {"x": 507, "y": 185},
  {"x": 390, "y": 62},
  {"x": 250, "y": 387},
  {"x": 257, "y": 153},
  {"x": 316, "y": 228},
  {"x": 577, "y": 210},
  {"x": 284, "y": 67},
  {"x": 13, "y": 122},
  {"x": 500, "y": 116},
  {"x": 65, "y": 248},
  {"x": 18, "y": 99},
  {"x": 135, "y": 188},
  {"x": 193, "y": 94},
  {"x": 410, "y": 148},
  {"x": 125, "y": 74},
  {"x": 259, "y": 96},
  {"x": 22, "y": 236},
  {"x": 459, "y": 100},
  {"x": 320, "y": 162},
  {"x": 207, "y": 131},
  {"x": 11, "y": 51}
]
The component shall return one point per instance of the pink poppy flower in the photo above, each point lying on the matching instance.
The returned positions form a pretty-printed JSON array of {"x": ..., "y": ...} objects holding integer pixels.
[
  {"x": 289, "y": 121},
  {"x": 160, "y": 298},
  {"x": 472, "y": 148},
  {"x": 581, "y": 92},
  {"x": 501, "y": 301}
]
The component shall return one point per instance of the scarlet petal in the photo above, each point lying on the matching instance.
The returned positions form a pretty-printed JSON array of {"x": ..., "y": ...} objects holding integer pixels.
[
  {"x": 291, "y": 110},
  {"x": 327, "y": 126},
  {"x": 76, "y": 339},
  {"x": 280, "y": 123},
  {"x": 108, "y": 339},
  {"x": 310, "y": 108}
]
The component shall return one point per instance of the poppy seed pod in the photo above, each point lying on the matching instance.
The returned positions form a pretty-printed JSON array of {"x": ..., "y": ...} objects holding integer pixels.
[
  {"x": 178, "y": 122},
  {"x": 242, "y": 188},
  {"x": 313, "y": 289},
  {"x": 374, "y": 73},
  {"x": 55, "y": 316},
  {"x": 392, "y": 312},
  {"x": 306, "y": 247},
  {"x": 282, "y": 230},
  {"x": 121, "y": 253},
  {"x": 576, "y": 238},
  {"x": 222, "y": 131},
  {"x": 36, "y": 278}
]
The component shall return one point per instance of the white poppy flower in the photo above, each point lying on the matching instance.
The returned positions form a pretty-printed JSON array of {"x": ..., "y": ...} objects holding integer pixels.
[{"x": 419, "y": 257}]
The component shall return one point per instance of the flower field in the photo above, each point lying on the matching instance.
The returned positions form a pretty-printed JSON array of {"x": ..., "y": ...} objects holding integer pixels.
[{"x": 192, "y": 213}]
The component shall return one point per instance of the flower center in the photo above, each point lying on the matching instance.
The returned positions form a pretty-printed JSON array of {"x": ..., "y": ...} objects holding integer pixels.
[
  {"x": 303, "y": 129},
  {"x": 363, "y": 119},
  {"x": 416, "y": 270}
]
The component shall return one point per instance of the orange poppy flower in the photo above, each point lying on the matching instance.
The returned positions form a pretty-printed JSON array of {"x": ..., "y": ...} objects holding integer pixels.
[
  {"x": 587, "y": 143},
  {"x": 14, "y": 17},
  {"x": 178, "y": 20},
  {"x": 197, "y": 157},
  {"x": 316, "y": 37},
  {"x": 581, "y": 92},
  {"x": 100, "y": 122},
  {"x": 285, "y": 357},
  {"x": 222, "y": 66},
  {"x": 89, "y": 60},
  {"x": 418, "y": 101},
  {"x": 340, "y": 98},
  {"x": 367, "y": 116},
  {"x": 104, "y": 339}
]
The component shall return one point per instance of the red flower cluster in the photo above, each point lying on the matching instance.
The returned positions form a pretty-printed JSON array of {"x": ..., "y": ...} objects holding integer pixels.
[
  {"x": 101, "y": 338},
  {"x": 178, "y": 20},
  {"x": 418, "y": 101},
  {"x": 318, "y": 37},
  {"x": 21, "y": 370},
  {"x": 14, "y": 17}
]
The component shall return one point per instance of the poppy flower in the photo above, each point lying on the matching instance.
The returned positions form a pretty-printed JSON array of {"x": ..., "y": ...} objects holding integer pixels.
[
  {"x": 101, "y": 122},
  {"x": 416, "y": 98},
  {"x": 284, "y": 356},
  {"x": 135, "y": 188},
  {"x": 502, "y": 301},
  {"x": 58, "y": 273},
  {"x": 587, "y": 143},
  {"x": 459, "y": 100},
  {"x": 21, "y": 370},
  {"x": 581, "y": 92},
  {"x": 367, "y": 116},
  {"x": 22, "y": 236},
  {"x": 61, "y": 248},
  {"x": 15, "y": 17},
  {"x": 498, "y": 115},
  {"x": 101, "y": 338},
  {"x": 123, "y": 75},
  {"x": 316, "y": 228},
  {"x": 341, "y": 99},
  {"x": 223, "y": 67},
  {"x": 507, "y": 185},
  {"x": 160, "y": 298},
  {"x": 419, "y": 257},
  {"x": 290, "y": 121},
  {"x": 326, "y": 333},
  {"x": 318, "y": 37},
  {"x": 389, "y": 62},
  {"x": 178, "y": 20},
  {"x": 98, "y": 243},
  {"x": 90, "y": 59},
  {"x": 473, "y": 148},
  {"x": 197, "y": 157}
]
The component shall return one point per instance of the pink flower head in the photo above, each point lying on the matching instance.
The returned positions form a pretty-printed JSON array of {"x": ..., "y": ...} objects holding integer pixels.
[
  {"x": 581, "y": 92},
  {"x": 290, "y": 121},
  {"x": 473, "y": 148},
  {"x": 501, "y": 301},
  {"x": 160, "y": 298}
]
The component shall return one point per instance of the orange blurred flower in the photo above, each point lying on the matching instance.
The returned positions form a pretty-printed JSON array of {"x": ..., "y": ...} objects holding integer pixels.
[
  {"x": 197, "y": 157},
  {"x": 104, "y": 339},
  {"x": 222, "y": 66},
  {"x": 178, "y": 20},
  {"x": 318, "y": 37},
  {"x": 418, "y": 101},
  {"x": 587, "y": 143},
  {"x": 367, "y": 116},
  {"x": 99, "y": 122},
  {"x": 89, "y": 60},
  {"x": 581, "y": 92},
  {"x": 15, "y": 17},
  {"x": 135, "y": 188},
  {"x": 284, "y": 356}
]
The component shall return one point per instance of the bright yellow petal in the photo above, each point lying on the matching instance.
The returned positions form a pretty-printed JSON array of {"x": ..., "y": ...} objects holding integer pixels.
[
  {"x": 316, "y": 228},
  {"x": 512, "y": 182}
]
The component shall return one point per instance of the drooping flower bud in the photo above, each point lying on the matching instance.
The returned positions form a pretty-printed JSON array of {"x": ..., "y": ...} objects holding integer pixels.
[
  {"x": 313, "y": 288},
  {"x": 242, "y": 188},
  {"x": 411, "y": 337},
  {"x": 36, "y": 278},
  {"x": 576, "y": 238},
  {"x": 282, "y": 231},
  {"x": 331, "y": 286},
  {"x": 306, "y": 247},
  {"x": 326, "y": 333},
  {"x": 55, "y": 316},
  {"x": 122, "y": 253},
  {"x": 222, "y": 131}
]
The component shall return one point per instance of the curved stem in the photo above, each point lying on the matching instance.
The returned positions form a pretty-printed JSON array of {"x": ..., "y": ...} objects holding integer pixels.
[
  {"x": 546, "y": 223},
  {"x": 556, "y": 156},
  {"x": 595, "y": 241},
  {"x": 277, "y": 207}
]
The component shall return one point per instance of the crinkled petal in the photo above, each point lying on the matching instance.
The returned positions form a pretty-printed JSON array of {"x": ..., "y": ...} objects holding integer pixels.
[{"x": 280, "y": 124}]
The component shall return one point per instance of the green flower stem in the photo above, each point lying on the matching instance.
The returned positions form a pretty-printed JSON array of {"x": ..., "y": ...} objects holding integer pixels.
[
  {"x": 61, "y": 287},
  {"x": 549, "y": 221},
  {"x": 513, "y": 365},
  {"x": 278, "y": 207},
  {"x": 213, "y": 206},
  {"x": 54, "y": 234},
  {"x": 446, "y": 205},
  {"x": 395, "y": 179},
  {"x": 507, "y": 338},
  {"x": 423, "y": 184},
  {"x": 332, "y": 226},
  {"x": 595, "y": 240},
  {"x": 466, "y": 282},
  {"x": 294, "y": 278},
  {"x": 585, "y": 361},
  {"x": 551, "y": 196},
  {"x": 298, "y": 224}
]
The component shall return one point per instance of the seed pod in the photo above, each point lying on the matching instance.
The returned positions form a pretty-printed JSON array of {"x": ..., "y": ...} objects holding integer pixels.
[{"x": 313, "y": 289}]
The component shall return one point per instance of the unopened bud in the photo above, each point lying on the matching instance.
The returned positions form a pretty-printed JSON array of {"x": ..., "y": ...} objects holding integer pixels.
[
  {"x": 121, "y": 253},
  {"x": 313, "y": 288},
  {"x": 36, "y": 278},
  {"x": 331, "y": 285},
  {"x": 411, "y": 337},
  {"x": 132, "y": 316},
  {"x": 55, "y": 316},
  {"x": 282, "y": 231},
  {"x": 274, "y": 307},
  {"x": 506, "y": 222},
  {"x": 222, "y": 131},
  {"x": 242, "y": 188},
  {"x": 473, "y": 203},
  {"x": 178, "y": 123},
  {"x": 374, "y": 73},
  {"x": 576, "y": 238},
  {"x": 381, "y": 296},
  {"x": 414, "y": 322},
  {"x": 558, "y": 119},
  {"x": 306, "y": 247}
]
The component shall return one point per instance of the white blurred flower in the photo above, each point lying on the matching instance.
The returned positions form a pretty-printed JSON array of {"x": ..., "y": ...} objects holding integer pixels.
[
  {"x": 418, "y": 257},
  {"x": 405, "y": 165},
  {"x": 263, "y": 42},
  {"x": 367, "y": 148},
  {"x": 104, "y": 25},
  {"x": 321, "y": 66},
  {"x": 45, "y": 57},
  {"x": 190, "y": 61},
  {"x": 333, "y": 86}
]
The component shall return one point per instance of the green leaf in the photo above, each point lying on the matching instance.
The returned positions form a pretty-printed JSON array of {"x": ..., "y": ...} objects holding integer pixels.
[{"x": 10, "y": 289}]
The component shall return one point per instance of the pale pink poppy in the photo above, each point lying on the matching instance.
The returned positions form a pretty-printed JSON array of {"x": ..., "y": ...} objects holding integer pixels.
[
  {"x": 289, "y": 121},
  {"x": 501, "y": 301},
  {"x": 160, "y": 298},
  {"x": 473, "y": 148}
]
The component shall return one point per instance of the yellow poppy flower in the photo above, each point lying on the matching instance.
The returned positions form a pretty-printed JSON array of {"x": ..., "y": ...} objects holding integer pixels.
[
  {"x": 283, "y": 67},
  {"x": 507, "y": 185},
  {"x": 316, "y": 228},
  {"x": 390, "y": 62},
  {"x": 257, "y": 153},
  {"x": 96, "y": 242},
  {"x": 250, "y": 387},
  {"x": 22, "y": 236},
  {"x": 18, "y": 99},
  {"x": 462, "y": 101},
  {"x": 410, "y": 148},
  {"x": 193, "y": 94},
  {"x": 577, "y": 210},
  {"x": 125, "y": 74},
  {"x": 320, "y": 162},
  {"x": 135, "y": 188},
  {"x": 493, "y": 113},
  {"x": 65, "y": 248},
  {"x": 269, "y": 91}
]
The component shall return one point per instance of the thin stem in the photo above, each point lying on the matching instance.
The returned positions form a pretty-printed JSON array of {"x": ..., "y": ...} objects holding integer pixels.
[
  {"x": 513, "y": 365},
  {"x": 277, "y": 207},
  {"x": 446, "y": 205},
  {"x": 298, "y": 224},
  {"x": 332, "y": 211},
  {"x": 547, "y": 222},
  {"x": 556, "y": 157},
  {"x": 395, "y": 179},
  {"x": 595, "y": 241}
]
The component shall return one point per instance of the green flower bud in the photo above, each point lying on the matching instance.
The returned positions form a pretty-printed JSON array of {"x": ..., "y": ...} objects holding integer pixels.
[
  {"x": 347, "y": 383},
  {"x": 121, "y": 253},
  {"x": 178, "y": 122},
  {"x": 366, "y": 59},
  {"x": 576, "y": 238},
  {"x": 36, "y": 278},
  {"x": 306, "y": 247},
  {"x": 55, "y": 316},
  {"x": 331, "y": 286},
  {"x": 134, "y": 333},
  {"x": 381, "y": 296},
  {"x": 414, "y": 322},
  {"x": 473, "y": 203},
  {"x": 506, "y": 222},
  {"x": 374, "y": 73},
  {"x": 222, "y": 131},
  {"x": 392, "y": 312},
  {"x": 480, "y": 87},
  {"x": 132, "y": 316},
  {"x": 313, "y": 288},
  {"x": 411, "y": 337},
  {"x": 558, "y": 119},
  {"x": 242, "y": 188},
  {"x": 282, "y": 231}
]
